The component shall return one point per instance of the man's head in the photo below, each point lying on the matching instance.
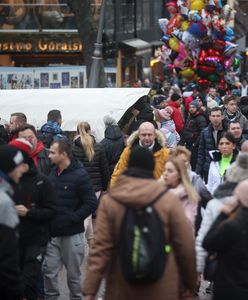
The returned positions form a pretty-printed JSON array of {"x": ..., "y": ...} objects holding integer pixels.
[
  {"x": 177, "y": 99},
  {"x": 17, "y": 120},
  {"x": 235, "y": 129},
  {"x": 55, "y": 116},
  {"x": 194, "y": 107},
  {"x": 60, "y": 152},
  {"x": 12, "y": 162},
  {"x": 146, "y": 133},
  {"x": 141, "y": 158},
  {"x": 212, "y": 92},
  {"x": 216, "y": 116},
  {"x": 230, "y": 103},
  {"x": 28, "y": 132},
  {"x": 244, "y": 147}
]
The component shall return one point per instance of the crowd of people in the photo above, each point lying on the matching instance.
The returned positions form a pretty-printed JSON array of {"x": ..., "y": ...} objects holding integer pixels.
[{"x": 186, "y": 147}]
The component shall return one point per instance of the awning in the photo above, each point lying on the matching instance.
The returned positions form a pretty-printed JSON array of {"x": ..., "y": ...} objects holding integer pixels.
[{"x": 136, "y": 46}]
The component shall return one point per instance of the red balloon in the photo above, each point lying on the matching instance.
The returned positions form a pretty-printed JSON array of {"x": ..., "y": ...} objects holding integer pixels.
[{"x": 207, "y": 69}]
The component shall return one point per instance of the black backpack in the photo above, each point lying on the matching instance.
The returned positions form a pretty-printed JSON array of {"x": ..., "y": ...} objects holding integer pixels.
[{"x": 142, "y": 244}]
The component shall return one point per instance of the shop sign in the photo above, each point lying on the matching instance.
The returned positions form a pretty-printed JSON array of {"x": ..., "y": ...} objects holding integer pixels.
[{"x": 41, "y": 45}]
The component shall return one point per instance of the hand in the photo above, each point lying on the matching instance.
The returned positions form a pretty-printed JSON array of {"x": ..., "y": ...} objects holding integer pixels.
[
  {"x": 21, "y": 210},
  {"x": 89, "y": 297}
]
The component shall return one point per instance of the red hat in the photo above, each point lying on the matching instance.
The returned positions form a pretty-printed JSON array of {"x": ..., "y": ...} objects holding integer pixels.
[
  {"x": 171, "y": 3},
  {"x": 22, "y": 145}
]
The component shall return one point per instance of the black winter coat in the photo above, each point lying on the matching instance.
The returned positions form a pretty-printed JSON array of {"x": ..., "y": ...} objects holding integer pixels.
[
  {"x": 76, "y": 199},
  {"x": 35, "y": 192},
  {"x": 145, "y": 115},
  {"x": 98, "y": 168},
  {"x": 113, "y": 144},
  {"x": 206, "y": 144},
  {"x": 230, "y": 240},
  {"x": 190, "y": 136}
]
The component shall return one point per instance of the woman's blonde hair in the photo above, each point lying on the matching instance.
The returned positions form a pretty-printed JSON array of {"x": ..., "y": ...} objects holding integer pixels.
[
  {"x": 83, "y": 129},
  {"x": 178, "y": 150},
  {"x": 184, "y": 178}
]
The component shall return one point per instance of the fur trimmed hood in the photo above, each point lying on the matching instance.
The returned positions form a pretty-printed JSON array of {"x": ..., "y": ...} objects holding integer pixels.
[{"x": 135, "y": 136}]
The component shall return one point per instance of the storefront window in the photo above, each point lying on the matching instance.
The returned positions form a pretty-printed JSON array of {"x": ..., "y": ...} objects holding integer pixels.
[
  {"x": 127, "y": 16},
  {"x": 41, "y": 15}
]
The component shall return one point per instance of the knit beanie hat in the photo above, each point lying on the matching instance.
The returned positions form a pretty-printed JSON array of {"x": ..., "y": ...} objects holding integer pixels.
[
  {"x": 109, "y": 121},
  {"x": 175, "y": 97},
  {"x": 195, "y": 103},
  {"x": 238, "y": 171},
  {"x": 10, "y": 158},
  {"x": 241, "y": 192},
  {"x": 141, "y": 158},
  {"x": 22, "y": 144}
]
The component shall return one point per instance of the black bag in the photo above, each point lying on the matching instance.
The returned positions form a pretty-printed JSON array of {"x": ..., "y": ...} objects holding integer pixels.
[
  {"x": 211, "y": 264},
  {"x": 142, "y": 244}
]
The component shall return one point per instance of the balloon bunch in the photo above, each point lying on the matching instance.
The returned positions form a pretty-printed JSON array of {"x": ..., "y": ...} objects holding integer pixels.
[{"x": 199, "y": 40}]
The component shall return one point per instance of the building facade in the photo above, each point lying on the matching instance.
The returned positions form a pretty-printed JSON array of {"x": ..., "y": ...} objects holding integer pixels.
[{"x": 37, "y": 33}]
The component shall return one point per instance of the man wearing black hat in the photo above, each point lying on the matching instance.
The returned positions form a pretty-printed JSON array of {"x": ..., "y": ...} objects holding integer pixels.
[
  {"x": 175, "y": 102},
  {"x": 12, "y": 167}
]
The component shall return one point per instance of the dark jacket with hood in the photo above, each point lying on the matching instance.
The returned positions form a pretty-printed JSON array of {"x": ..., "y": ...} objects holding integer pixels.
[
  {"x": 75, "y": 201},
  {"x": 98, "y": 168},
  {"x": 190, "y": 136},
  {"x": 113, "y": 144},
  {"x": 35, "y": 192},
  {"x": 229, "y": 238}
]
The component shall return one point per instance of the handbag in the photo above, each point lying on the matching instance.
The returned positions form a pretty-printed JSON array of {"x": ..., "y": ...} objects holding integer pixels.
[{"x": 211, "y": 265}]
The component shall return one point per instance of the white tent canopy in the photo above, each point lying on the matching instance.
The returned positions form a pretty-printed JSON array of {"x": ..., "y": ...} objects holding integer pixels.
[{"x": 76, "y": 105}]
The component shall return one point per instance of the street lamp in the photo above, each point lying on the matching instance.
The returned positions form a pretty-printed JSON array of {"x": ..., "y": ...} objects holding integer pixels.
[{"x": 97, "y": 61}]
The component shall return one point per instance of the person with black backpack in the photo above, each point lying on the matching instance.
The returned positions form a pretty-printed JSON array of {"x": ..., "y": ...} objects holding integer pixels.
[{"x": 143, "y": 241}]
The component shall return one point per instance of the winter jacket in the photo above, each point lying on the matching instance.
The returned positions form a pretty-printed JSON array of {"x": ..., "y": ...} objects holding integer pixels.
[
  {"x": 160, "y": 154},
  {"x": 145, "y": 115},
  {"x": 76, "y": 199},
  {"x": 243, "y": 106},
  {"x": 50, "y": 132},
  {"x": 214, "y": 177},
  {"x": 37, "y": 194},
  {"x": 229, "y": 238},
  {"x": 204, "y": 195},
  {"x": 190, "y": 136},
  {"x": 113, "y": 144},
  {"x": 177, "y": 117},
  {"x": 168, "y": 129},
  {"x": 238, "y": 116},
  {"x": 103, "y": 258},
  {"x": 222, "y": 195},
  {"x": 10, "y": 281},
  {"x": 206, "y": 144},
  {"x": 189, "y": 207},
  {"x": 98, "y": 168}
]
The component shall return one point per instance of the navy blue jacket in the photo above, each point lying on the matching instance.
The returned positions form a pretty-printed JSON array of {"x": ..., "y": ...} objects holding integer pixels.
[
  {"x": 207, "y": 143},
  {"x": 76, "y": 199}
]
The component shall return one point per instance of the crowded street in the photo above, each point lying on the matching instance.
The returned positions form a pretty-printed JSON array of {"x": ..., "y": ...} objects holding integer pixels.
[{"x": 123, "y": 150}]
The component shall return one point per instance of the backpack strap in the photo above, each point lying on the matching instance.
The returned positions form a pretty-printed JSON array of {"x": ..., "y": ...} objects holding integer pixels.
[{"x": 157, "y": 197}]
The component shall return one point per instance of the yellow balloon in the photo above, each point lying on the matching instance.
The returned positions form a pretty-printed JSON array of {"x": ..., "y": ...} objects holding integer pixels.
[
  {"x": 188, "y": 73},
  {"x": 174, "y": 44},
  {"x": 197, "y": 5},
  {"x": 185, "y": 25}
]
